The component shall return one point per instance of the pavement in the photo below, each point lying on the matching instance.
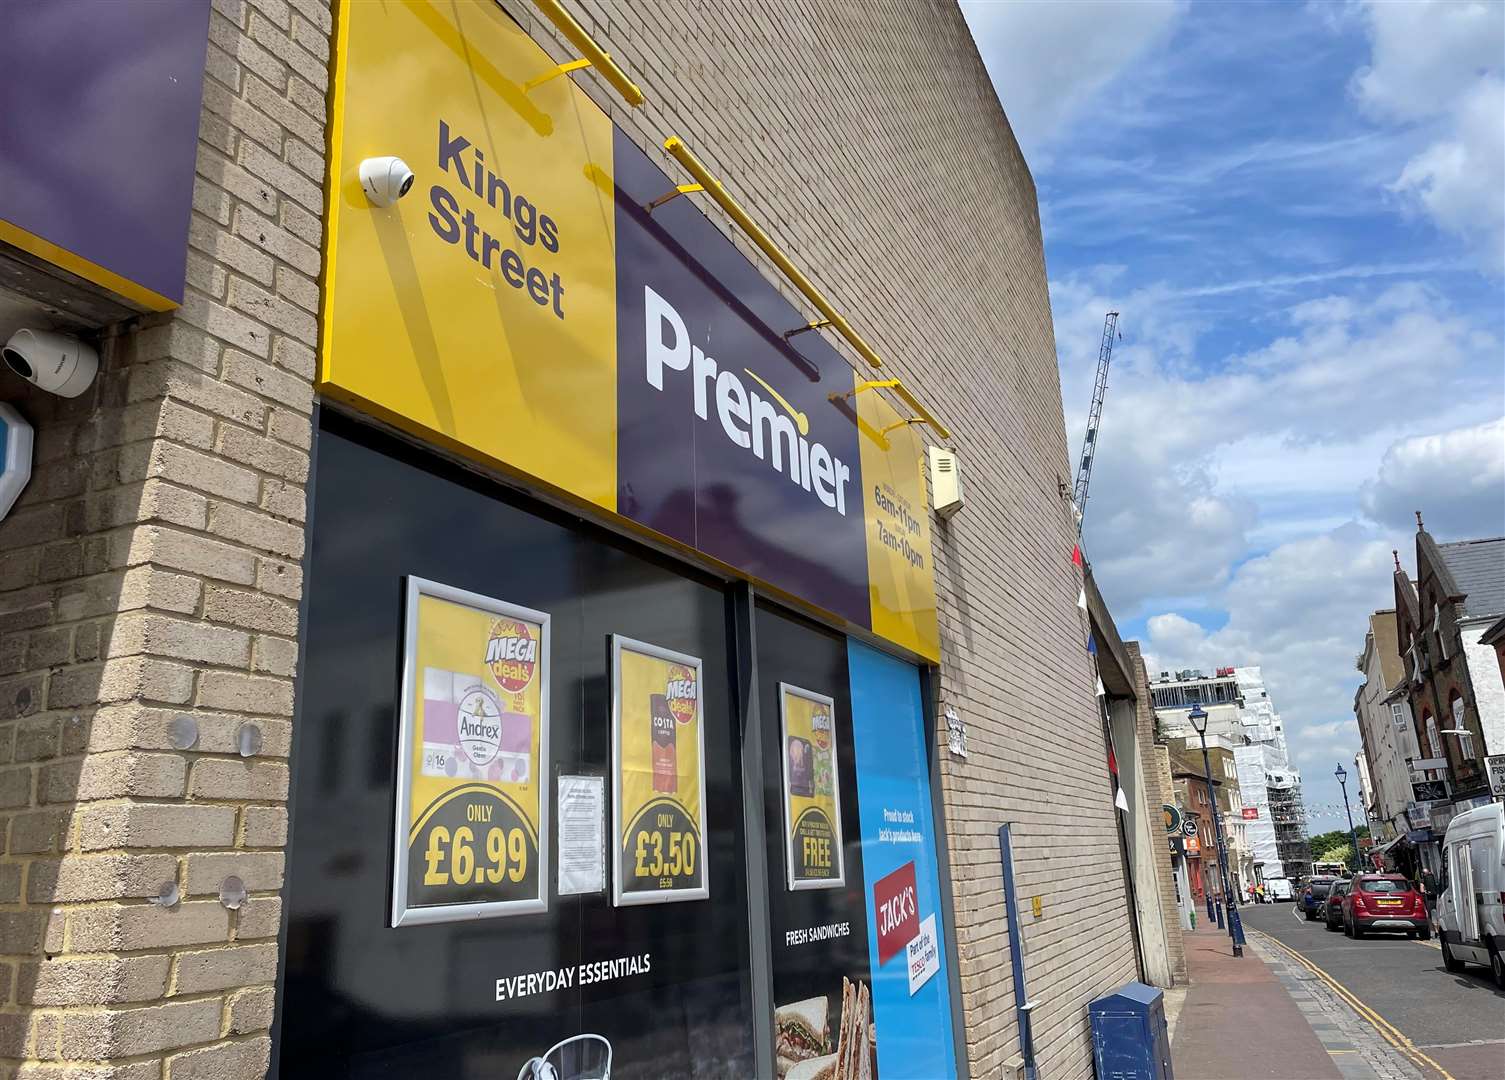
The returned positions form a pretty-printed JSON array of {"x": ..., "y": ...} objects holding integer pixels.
[
  {"x": 1238, "y": 1021},
  {"x": 1305, "y": 1004},
  {"x": 1453, "y": 1025}
]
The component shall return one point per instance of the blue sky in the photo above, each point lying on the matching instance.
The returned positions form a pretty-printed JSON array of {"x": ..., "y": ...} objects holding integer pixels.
[{"x": 1300, "y": 212}]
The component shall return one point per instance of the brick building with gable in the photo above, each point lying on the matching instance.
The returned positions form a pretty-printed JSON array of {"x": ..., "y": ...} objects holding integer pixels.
[{"x": 1453, "y": 685}]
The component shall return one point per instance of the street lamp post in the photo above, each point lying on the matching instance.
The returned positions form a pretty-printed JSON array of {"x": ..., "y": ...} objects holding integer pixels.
[
  {"x": 1342, "y": 774},
  {"x": 1198, "y": 719}
]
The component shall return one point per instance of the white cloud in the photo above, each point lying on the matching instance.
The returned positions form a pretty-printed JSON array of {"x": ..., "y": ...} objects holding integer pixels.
[
  {"x": 1196, "y": 461},
  {"x": 1426, "y": 53},
  {"x": 1299, "y": 612},
  {"x": 1441, "y": 67},
  {"x": 1456, "y": 478},
  {"x": 1049, "y": 60}
]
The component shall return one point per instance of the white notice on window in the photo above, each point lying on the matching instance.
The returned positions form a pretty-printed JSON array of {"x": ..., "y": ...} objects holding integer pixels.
[
  {"x": 924, "y": 955},
  {"x": 582, "y": 835}
]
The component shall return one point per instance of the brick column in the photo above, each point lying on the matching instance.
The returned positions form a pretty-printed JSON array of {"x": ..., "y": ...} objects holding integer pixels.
[
  {"x": 151, "y": 571},
  {"x": 1158, "y": 792}
]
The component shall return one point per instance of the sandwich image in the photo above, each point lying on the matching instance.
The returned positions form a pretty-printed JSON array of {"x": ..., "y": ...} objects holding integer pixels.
[
  {"x": 856, "y": 1046},
  {"x": 816, "y": 1068},
  {"x": 803, "y": 1039},
  {"x": 800, "y": 1034}
]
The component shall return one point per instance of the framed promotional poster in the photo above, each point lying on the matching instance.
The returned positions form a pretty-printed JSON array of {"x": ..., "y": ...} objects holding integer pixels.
[
  {"x": 812, "y": 796},
  {"x": 658, "y": 762},
  {"x": 472, "y": 816}
]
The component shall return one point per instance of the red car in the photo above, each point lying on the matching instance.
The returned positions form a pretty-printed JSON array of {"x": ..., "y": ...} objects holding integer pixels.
[{"x": 1384, "y": 902}]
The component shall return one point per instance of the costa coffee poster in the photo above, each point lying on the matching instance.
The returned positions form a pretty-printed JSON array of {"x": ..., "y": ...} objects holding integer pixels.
[
  {"x": 658, "y": 755},
  {"x": 472, "y": 814}
]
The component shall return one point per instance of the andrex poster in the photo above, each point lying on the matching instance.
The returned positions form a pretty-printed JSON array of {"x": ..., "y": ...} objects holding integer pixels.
[{"x": 471, "y": 835}]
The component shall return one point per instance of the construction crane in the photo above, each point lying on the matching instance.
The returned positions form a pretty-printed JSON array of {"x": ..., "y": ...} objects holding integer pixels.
[{"x": 1094, "y": 418}]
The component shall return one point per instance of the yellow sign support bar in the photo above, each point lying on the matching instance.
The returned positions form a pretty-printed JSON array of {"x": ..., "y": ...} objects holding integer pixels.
[
  {"x": 561, "y": 69},
  {"x": 594, "y": 55},
  {"x": 903, "y": 393},
  {"x": 682, "y": 154},
  {"x": 679, "y": 189}
]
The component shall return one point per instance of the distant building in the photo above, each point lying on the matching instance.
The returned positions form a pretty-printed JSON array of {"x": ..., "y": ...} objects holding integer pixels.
[
  {"x": 1270, "y": 819},
  {"x": 1186, "y": 760},
  {"x": 1366, "y": 787},
  {"x": 1200, "y": 847},
  {"x": 1452, "y": 677},
  {"x": 1383, "y": 711}
]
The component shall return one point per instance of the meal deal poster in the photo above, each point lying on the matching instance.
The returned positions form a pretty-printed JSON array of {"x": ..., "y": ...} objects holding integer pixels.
[
  {"x": 471, "y": 838},
  {"x": 906, "y": 943},
  {"x": 685, "y": 407},
  {"x": 812, "y": 797},
  {"x": 658, "y": 752}
]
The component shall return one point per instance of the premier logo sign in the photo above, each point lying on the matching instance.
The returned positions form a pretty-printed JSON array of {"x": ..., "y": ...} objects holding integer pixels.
[
  {"x": 536, "y": 317},
  {"x": 770, "y": 427}
]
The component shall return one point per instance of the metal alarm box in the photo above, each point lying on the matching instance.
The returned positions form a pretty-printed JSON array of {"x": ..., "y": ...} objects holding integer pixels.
[{"x": 1129, "y": 1036}]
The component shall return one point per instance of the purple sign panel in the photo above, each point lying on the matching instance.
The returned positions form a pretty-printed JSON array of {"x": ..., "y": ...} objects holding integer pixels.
[
  {"x": 98, "y": 136},
  {"x": 706, "y": 376}
]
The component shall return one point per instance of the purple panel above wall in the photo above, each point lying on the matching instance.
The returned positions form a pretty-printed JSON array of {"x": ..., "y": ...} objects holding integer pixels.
[{"x": 98, "y": 138}]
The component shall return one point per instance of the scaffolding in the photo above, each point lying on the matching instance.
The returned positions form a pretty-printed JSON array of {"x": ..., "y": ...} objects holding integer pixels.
[{"x": 1288, "y": 815}]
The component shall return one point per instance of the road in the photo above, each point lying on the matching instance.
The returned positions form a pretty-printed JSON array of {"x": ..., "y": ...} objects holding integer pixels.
[{"x": 1456, "y": 1020}]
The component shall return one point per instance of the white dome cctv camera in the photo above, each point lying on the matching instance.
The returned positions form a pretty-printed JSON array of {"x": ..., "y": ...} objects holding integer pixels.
[
  {"x": 385, "y": 179},
  {"x": 58, "y": 363}
]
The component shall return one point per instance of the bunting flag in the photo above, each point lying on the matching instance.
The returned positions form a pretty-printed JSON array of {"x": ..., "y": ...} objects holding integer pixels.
[
  {"x": 1092, "y": 644},
  {"x": 1100, "y": 690},
  {"x": 1112, "y": 762},
  {"x": 1076, "y": 555},
  {"x": 1120, "y": 801},
  {"x": 1081, "y": 600}
]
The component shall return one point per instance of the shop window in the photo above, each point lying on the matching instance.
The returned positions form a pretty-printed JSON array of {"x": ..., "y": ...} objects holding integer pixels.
[
  {"x": 455, "y": 998},
  {"x": 1465, "y": 741},
  {"x": 666, "y": 985}
]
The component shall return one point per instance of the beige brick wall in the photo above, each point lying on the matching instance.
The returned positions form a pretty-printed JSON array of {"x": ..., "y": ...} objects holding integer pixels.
[
  {"x": 867, "y": 140},
  {"x": 151, "y": 570},
  {"x": 153, "y": 566}
]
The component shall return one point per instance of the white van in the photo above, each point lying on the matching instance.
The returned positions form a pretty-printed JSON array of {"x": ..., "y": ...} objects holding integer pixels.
[
  {"x": 1279, "y": 888},
  {"x": 1471, "y": 909}
]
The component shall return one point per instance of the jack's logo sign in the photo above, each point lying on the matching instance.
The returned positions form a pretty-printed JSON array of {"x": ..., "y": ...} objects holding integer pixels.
[
  {"x": 524, "y": 307},
  {"x": 896, "y": 908}
]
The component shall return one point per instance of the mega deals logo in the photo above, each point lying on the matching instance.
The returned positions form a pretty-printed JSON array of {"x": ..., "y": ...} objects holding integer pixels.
[
  {"x": 820, "y": 728},
  {"x": 681, "y": 692},
  {"x": 512, "y": 654}
]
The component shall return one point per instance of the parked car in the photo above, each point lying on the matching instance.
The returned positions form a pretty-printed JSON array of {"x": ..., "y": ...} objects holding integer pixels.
[
  {"x": 1384, "y": 902},
  {"x": 1314, "y": 894},
  {"x": 1471, "y": 910},
  {"x": 1332, "y": 906}
]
